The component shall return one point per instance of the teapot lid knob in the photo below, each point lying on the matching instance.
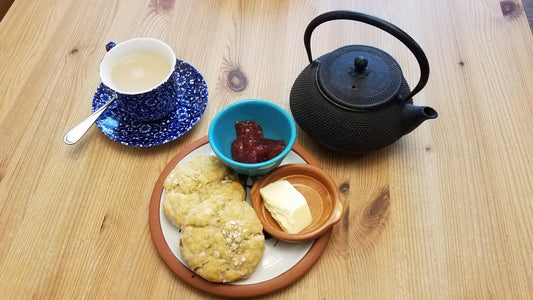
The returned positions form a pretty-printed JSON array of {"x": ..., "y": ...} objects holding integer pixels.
[
  {"x": 359, "y": 77},
  {"x": 360, "y": 64}
]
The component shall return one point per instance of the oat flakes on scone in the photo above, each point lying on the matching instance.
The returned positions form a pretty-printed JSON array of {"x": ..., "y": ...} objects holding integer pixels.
[
  {"x": 189, "y": 184},
  {"x": 222, "y": 241}
]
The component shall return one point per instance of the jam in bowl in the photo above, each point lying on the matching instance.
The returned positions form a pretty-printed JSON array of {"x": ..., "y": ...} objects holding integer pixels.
[{"x": 277, "y": 128}]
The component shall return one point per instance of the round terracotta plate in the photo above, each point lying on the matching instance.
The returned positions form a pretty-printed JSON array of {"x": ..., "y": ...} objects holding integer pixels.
[{"x": 282, "y": 262}]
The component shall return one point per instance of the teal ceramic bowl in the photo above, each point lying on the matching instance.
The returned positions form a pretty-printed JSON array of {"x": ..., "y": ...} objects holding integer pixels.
[{"x": 275, "y": 121}]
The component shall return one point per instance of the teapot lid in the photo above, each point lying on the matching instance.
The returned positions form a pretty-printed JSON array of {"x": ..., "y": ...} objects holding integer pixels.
[{"x": 359, "y": 77}]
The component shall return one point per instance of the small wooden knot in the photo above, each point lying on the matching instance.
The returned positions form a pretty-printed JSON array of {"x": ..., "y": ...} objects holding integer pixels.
[
  {"x": 346, "y": 219},
  {"x": 372, "y": 219},
  {"x": 344, "y": 188},
  {"x": 508, "y": 7},
  {"x": 379, "y": 206},
  {"x": 236, "y": 81},
  {"x": 376, "y": 214},
  {"x": 232, "y": 76},
  {"x": 428, "y": 149},
  {"x": 162, "y": 5}
]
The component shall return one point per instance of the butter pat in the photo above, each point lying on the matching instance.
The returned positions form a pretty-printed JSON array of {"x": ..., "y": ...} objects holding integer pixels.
[{"x": 287, "y": 206}]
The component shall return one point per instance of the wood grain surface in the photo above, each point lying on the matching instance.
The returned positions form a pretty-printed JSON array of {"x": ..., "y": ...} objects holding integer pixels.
[{"x": 444, "y": 213}]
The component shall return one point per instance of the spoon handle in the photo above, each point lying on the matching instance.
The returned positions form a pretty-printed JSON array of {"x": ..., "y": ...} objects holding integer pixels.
[{"x": 79, "y": 130}]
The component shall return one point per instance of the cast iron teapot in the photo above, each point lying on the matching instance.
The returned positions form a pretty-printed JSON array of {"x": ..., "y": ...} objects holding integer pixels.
[{"x": 355, "y": 99}]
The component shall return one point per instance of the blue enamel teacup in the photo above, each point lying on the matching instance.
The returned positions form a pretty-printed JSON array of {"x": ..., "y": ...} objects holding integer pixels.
[{"x": 141, "y": 73}]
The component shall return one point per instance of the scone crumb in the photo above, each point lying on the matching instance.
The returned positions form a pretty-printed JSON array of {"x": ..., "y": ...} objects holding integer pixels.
[{"x": 227, "y": 180}]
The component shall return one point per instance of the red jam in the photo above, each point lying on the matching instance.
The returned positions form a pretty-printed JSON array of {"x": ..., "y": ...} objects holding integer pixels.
[{"x": 251, "y": 147}]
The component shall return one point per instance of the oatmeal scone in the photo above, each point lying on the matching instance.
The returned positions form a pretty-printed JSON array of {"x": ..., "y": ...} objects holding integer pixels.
[
  {"x": 202, "y": 178},
  {"x": 222, "y": 241}
]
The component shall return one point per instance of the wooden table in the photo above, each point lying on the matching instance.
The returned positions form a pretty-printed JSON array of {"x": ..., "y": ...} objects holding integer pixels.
[{"x": 446, "y": 212}]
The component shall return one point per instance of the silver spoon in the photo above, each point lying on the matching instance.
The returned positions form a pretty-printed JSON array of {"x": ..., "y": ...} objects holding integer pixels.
[{"x": 79, "y": 130}]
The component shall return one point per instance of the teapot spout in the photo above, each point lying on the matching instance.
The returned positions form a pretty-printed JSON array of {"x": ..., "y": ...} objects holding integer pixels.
[{"x": 413, "y": 115}]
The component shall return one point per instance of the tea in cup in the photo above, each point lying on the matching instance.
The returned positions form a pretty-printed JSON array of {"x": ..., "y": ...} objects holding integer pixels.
[{"x": 141, "y": 72}]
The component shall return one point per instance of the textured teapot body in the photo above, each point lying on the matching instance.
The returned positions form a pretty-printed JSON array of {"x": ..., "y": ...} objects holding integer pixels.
[
  {"x": 363, "y": 106},
  {"x": 343, "y": 130}
]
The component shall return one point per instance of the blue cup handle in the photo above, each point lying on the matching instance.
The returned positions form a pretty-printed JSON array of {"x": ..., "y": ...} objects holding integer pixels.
[
  {"x": 110, "y": 45},
  {"x": 107, "y": 48}
]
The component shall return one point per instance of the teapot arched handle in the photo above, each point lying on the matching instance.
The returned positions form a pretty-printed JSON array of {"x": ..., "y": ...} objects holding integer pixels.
[{"x": 381, "y": 24}]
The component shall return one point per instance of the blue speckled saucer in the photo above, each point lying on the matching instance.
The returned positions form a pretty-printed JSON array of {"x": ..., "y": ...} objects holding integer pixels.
[{"x": 120, "y": 127}]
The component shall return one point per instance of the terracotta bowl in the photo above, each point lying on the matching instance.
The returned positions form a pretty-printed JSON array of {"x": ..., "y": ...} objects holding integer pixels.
[{"x": 320, "y": 192}]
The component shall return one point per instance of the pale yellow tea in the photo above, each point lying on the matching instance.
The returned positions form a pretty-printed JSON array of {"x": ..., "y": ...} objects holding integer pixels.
[{"x": 140, "y": 71}]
